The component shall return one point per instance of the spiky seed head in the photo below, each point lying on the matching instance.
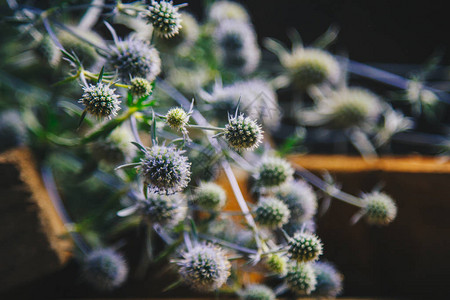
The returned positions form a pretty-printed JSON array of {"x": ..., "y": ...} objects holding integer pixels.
[
  {"x": 300, "y": 198},
  {"x": 13, "y": 132},
  {"x": 301, "y": 278},
  {"x": 304, "y": 247},
  {"x": 379, "y": 208},
  {"x": 114, "y": 149},
  {"x": 210, "y": 196},
  {"x": 237, "y": 48},
  {"x": 204, "y": 267},
  {"x": 165, "y": 170},
  {"x": 329, "y": 280},
  {"x": 135, "y": 58},
  {"x": 105, "y": 269},
  {"x": 271, "y": 212},
  {"x": 226, "y": 10},
  {"x": 309, "y": 67},
  {"x": 272, "y": 172},
  {"x": 100, "y": 100},
  {"x": 140, "y": 87},
  {"x": 164, "y": 209},
  {"x": 257, "y": 292},
  {"x": 165, "y": 18},
  {"x": 187, "y": 36},
  {"x": 243, "y": 133},
  {"x": 177, "y": 118},
  {"x": 276, "y": 263}
]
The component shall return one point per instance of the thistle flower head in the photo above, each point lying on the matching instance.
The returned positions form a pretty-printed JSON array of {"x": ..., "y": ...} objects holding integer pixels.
[
  {"x": 379, "y": 208},
  {"x": 301, "y": 278},
  {"x": 271, "y": 212},
  {"x": 12, "y": 130},
  {"x": 164, "y": 209},
  {"x": 100, "y": 100},
  {"x": 105, "y": 269},
  {"x": 210, "y": 196},
  {"x": 135, "y": 58},
  {"x": 243, "y": 133},
  {"x": 276, "y": 263},
  {"x": 177, "y": 118},
  {"x": 165, "y": 170},
  {"x": 257, "y": 292},
  {"x": 165, "y": 18},
  {"x": 309, "y": 67},
  {"x": 140, "y": 87},
  {"x": 204, "y": 267},
  {"x": 304, "y": 247},
  {"x": 114, "y": 149},
  {"x": 329, "y": 280},
  {"x": 227, "y": 10},
  {"x": 237, "y": 48},
  {"x": 186, "y": 37},
  {"x": 272, "y": 172},
  {"x": 300, "y": 198}
]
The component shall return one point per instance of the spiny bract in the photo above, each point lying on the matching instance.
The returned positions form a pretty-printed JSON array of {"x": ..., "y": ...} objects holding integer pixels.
[
  {"x": 271, "y": 212},
  {"x": 309, "y": 67},
  {"x": 379, "y": 208},
  {"x": 304, "y": 247},
  {"x": 105, "y": 269},
  {"x": 135, "y": 58},
  {"x": 164, "y": 209},
  {"x": 329, "y": 280},
  {"x": 243, "y": 133},
  {"x": 204, "y": 267},
  {"x": 165, "y": 18},
  {"x": 210, "y": 196},
  {"x": 257, "y": 292},
  {"x": 300, "y": 278},
  {"x": 140, "y": 87},
  {"x": 100, "y": 100},
  {"x": 300, "y": 198},
  {"x": 165, "y": 170},
  {"x": 272, "y": 172}
]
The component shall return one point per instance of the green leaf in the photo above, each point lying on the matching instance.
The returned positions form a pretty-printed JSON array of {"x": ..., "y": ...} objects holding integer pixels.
[
  {"x": 100, "y": 76},
  {"x": 194, "y": 229},
  {"x": 83, "y": 115},
  {"x": 140, "y": 147}
]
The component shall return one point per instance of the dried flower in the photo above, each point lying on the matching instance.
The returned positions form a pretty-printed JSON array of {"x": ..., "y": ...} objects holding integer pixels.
[
  {"x": 140, "y": 87},
  {"x": 379, "y": 208},
  {"x": 271, "y": 212},
  {"x": 243, "y": 133},
  {"x": 165, "y": 170},
  {"x": 165, "y": 18},
  {"x": 204, "y": 267},
  {"x": 257, "y": 292},
  {"x": 304, "y": 247},
  {"x": 105, "y": 269},
  {"x": 135, "y": 58},
  {"x": 210, "y": 196},
  {"x": 100, "y": 100},
  {"x": 329, "y": 280},
  {"x": 301, "y": 278}
]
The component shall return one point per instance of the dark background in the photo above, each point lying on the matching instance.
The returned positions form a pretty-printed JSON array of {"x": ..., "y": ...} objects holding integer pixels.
[{"x": 370, "y": 31}]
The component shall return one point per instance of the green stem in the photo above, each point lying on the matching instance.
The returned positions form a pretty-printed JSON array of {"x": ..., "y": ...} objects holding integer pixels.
[
  {"x": 206, "y": 127},
  {"x": 92, "y": 76}
]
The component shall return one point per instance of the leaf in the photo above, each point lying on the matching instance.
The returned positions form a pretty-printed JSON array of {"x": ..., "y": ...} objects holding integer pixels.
[
  {"x": 127, "y": 211},
  {"x": 194, "y": 229},
  {"x": 66, "y": 80},
  {"x": 100, "y": 76},
  {"x": 129, "y": 98},
  {"x": 126, "y": 166},
  {"x": 83, "y": 115},
  {"x": 140, "y": 147}
]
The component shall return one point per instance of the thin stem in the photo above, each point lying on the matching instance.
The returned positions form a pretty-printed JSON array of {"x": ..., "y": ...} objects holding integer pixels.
[
  {"x": 92, "y": 14},
  {"x": 205, "y": 127},
  {"x": 92, "y": 76}
]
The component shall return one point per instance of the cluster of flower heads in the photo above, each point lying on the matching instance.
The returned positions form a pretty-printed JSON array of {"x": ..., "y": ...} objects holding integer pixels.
[{"x": 205, "y": 267}]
